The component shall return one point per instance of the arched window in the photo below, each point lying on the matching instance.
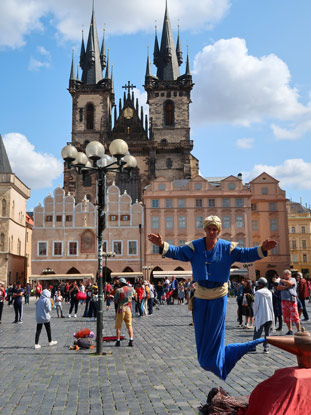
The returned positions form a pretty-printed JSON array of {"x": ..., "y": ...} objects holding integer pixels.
[
  {"x": 169, "y": 163},
  {"x": 3, "y": 207},
  {"x": 169, "y": 113},
  {"x": 2, "y": 236},
  {"x": 90, "y": 117}
]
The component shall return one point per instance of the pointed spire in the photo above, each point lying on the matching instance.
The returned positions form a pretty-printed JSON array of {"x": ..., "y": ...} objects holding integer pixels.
[
  {"x": 115, "y": 115},
  {"x": 142, "y": 113},
  {"x": 133, "y": 97},
  {"x": 167, "y": 62},
  {"x": 72, "y": 71},
  {"x": 103, "y": 52},
  {"x": 108, "y": 74},
  {"x": 179, "y": 50},
  {"x": 148, "y": 68},
  {"x": 5, "y": 166},
  {"x": 146, "y": 124},
  {"x": 188, "y": 70},
  {"x": 156, "y": 50},
  {"x": 137, "y": 105},
  {"x": 92, "y": 67},
  {"x": 120, "y": 105},
  {"x": 112, "y": 82},
  {"x": 82, "y": 52}
]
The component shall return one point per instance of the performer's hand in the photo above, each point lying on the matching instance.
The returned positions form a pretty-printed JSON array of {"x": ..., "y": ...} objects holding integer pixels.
[
  {"x": 268, "y": 245},
  {"x": 156, "y": 239}
]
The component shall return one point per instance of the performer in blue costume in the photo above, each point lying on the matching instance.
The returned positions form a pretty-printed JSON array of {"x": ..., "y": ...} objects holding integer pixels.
[{"x": 211, "y": 259}]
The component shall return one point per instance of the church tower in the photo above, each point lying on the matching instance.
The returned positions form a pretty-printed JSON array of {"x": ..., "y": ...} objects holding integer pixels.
[
  {"x": 92, "y": 102},
  {"x": 169, "y": 97}
]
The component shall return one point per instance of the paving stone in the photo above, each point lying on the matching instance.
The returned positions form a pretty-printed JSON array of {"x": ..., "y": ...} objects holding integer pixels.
[{"x": 159, "y": 375}]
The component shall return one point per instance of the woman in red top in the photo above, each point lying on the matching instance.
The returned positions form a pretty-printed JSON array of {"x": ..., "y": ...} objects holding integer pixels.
[{"x": 140, "y": 293}]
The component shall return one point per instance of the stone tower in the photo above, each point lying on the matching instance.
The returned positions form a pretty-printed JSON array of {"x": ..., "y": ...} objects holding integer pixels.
[
  {"x": 169, "y": 97},
  {"x": 161, "y": 146},
  {"x": 92, "y": 103}
]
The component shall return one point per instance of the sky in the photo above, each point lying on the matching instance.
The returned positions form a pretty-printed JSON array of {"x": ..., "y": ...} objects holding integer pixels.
[{"x": 250, "y": 62}]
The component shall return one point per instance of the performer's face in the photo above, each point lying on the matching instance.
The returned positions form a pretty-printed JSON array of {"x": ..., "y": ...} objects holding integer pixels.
[{"x": 211, "y": 232}]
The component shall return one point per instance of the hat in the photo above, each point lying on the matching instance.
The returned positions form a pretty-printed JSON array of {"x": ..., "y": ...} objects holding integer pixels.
[
  {"x": 212, "y": 220},
  {"x": 262, "y": 281},
  {"x": 122, "y": 281}
]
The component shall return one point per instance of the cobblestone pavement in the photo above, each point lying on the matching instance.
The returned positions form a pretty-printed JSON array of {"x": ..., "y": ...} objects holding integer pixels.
[{"x": 159, "y": 375}]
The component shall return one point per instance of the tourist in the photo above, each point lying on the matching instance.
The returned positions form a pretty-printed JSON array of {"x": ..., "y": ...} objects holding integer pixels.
[{"x": 43, "y": 309}]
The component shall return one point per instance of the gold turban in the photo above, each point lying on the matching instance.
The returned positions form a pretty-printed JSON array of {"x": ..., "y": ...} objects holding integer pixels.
[{"x": 212, "y": 220}]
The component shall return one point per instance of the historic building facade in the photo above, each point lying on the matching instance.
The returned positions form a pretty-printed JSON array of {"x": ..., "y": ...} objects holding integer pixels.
[
  {"x": 64, "y": 236},
  {"x": 250, "y": 214},
  {"x": 299, "y": 226},
  {"x": 14, "y": 232}
]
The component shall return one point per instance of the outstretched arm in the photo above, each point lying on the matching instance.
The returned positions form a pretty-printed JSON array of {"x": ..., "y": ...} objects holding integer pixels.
[
  {"x": 156, "y": 239},
  {"x": 267, "y": 245}
]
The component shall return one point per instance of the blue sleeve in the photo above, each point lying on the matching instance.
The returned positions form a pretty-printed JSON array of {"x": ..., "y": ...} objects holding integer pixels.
[
  {"x": 247, "y": 254},
  {"x": 181, "y": 253}
]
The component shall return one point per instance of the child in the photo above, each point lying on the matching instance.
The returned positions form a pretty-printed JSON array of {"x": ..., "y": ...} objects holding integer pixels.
[
  {"x": 58, "y": 299},
  {"x": 43, "y": 309}
]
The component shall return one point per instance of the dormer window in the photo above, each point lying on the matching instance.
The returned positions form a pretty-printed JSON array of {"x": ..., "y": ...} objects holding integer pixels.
[{"x": 169, "y": 113}]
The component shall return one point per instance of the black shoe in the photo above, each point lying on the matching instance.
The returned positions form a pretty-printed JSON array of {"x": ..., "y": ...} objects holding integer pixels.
[
  {"x": 306, "y": 319},
  {"x": 118, "y": 344},
  {"x": 130, "y": 343},
  {"x": 279, "y": 329},
  {"x": 289, "y": 333},
  {"x": 14, "y": 322}
]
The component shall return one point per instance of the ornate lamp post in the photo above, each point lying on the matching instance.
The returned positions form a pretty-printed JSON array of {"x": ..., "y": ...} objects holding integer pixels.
[
  {"x": 95, "y": 161},
  {"x": 107, "y": 255}
]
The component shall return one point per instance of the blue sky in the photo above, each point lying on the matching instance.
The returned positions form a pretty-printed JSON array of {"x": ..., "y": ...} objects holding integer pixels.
[{"x": 250, "y": 61}]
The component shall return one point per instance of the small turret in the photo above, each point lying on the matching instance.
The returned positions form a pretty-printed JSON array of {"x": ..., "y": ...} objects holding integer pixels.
[
  {"x": 72, "y": 70},
  {"x": 179, "y": 50},
  {"x": 103, "y": 52},
  {"x": 108, "y": 74}
]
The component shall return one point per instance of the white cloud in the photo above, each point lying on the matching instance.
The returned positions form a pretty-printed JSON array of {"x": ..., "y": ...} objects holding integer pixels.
[
  {"x": 18, "y": 18},
  {"x": 292, "y": 173},
  {"x": 36, "y": 170},
  {"x": 245, "y": 143},
  {"x": 37, "y": 64},
  {"x": 293, "y": 132},
  {"x": 235, "y": 87}
]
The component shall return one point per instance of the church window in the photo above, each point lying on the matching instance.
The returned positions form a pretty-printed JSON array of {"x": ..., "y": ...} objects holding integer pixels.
[
  {"x": 87, "y": 181},
  {"x": 2, "y": 237},
  {"x": 162, "y": 94},
  {"x": 164, "y": 141},
  {"x": 3, "y": 207},
  {"x": 81, "y": 114},
  {"x": 156, "y": 94},
  {"x": 90, "y": 117},
  {"x": 169, "y": 163},
  {"x": 175, "y": 94},
  {"x": 168, "y": 95},
  {"x": 169, "y": 112},
  {"x": 181, "y": 94}
]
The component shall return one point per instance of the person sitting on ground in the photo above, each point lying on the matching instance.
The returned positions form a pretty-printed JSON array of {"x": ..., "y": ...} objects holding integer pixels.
[{"x": 211, "y": 259}]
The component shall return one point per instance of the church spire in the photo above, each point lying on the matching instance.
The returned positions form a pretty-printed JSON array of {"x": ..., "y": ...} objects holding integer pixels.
[
  {"x": 156, "y": 50},
  {"x": 188, "y": 71},
  {"x": 72, "y": 71},
  {"x": 5, "y": 166},
  {"x": 82, "y": 52},
  {"x": 167, "y": 62},
  {"x": 103, "y": 52},
  {"x": 92, "y": 66},
  {"x": 107, "y": 75},
  {"x": 148, "y": 68},
  {"x": 179, "y": 50}
]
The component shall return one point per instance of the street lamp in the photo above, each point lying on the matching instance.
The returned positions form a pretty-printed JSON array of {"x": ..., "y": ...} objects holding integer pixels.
[
  {"x": 107, "y": 255},
  {"x": 95, "y": 161}
]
